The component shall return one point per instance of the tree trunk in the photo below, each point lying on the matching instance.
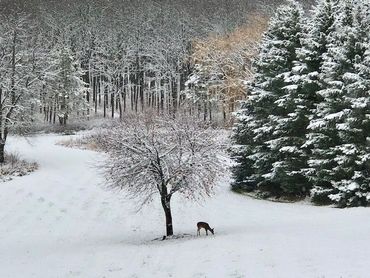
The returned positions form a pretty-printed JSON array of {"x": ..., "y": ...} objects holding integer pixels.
[
  {"x": 136, "y": 90},
  {"x": 120, "y": 107},
  {"x": 205, "y": 112},
  {"x": 2, "y": 153},
  {"x": 105, "y": 101},
  {"x": 112, "y": 99},
  {"x": 124, "y": 100},
  {"x": 167, "y": 211}
]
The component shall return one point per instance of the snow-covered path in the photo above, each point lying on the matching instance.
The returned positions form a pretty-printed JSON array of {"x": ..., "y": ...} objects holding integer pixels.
[{"x": 61, "y": 222}]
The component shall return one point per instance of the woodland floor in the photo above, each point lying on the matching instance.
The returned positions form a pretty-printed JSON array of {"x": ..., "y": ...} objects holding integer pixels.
[{"x": 60, "y": 221}]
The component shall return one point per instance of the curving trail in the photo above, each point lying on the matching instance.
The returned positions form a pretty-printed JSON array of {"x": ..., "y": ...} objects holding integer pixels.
[{"x": 61, "y": 222}]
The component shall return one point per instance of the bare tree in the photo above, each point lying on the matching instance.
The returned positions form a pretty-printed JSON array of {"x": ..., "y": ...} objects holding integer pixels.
[
  {"x": 18, "y": 73},
  {"x": 156, "y": 155}
]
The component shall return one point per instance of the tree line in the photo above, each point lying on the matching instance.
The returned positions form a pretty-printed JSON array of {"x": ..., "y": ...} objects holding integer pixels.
[{"x": 61, "y": 59}]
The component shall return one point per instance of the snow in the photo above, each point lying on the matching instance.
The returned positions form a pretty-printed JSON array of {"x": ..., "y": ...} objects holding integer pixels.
[
  {"x": 343, "y": 126},
  {"x": 291, "y": 87},
  {"x": 347, "y": 149},
  {"x": 346, "y": 185},
  {"x": 335, "y": 197},
  {"x": 316, "y": 124},
  {"x": 353, "y": 186},
  {"x": 334, "y": 116},
  {"x": 60, "y": 222},
  {"x": 350, "y": 77},
  {"x": 289, "y": 149},
  {"x": 360, "y": 102}
]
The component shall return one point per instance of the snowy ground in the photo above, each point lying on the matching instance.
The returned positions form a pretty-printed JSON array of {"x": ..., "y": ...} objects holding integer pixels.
[{"x": 61, "y": 222}]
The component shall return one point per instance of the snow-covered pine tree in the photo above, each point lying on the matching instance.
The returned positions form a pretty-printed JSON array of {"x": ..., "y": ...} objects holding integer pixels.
[
  {"x": 339, "y": 132},
  {"x": 64, "y": 83},
  {"x": 315, "y": 40},
  {"x": 317, "y": 31},
  {"x": 297, "y": 105},
  {"x": 263, "y": 150}
]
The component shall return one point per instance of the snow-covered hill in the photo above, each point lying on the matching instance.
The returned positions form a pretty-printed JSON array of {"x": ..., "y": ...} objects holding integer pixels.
[{"x": 61, "y": 222}]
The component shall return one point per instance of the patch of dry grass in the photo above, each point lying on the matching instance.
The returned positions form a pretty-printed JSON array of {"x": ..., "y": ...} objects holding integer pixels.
[
  {"x": 86, "y": 142},
  {"x": 14, "y": 166}
]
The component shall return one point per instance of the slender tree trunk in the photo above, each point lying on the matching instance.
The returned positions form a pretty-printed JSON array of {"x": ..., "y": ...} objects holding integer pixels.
[
  {"x": 117, "y": 98},
  {"x": 141, "y": 86},
  {"x": 224, "y": 111},
  {"x": 162, "y": 94},
  {"x": 124, "y": 99},
  {"x": 174, "y": 97},
  {"x": 105, "y": 101},
  {"x": 136, "y": 97},
  {"x": 167, "y": 211},
  {"x": 112, "y": 95},
  {"x": 120, "y": 106},
  {"x": 54, "y": 117},
  {"x": 101, "y": 90},
  {"x": 131, "y": 90},
  {"x": 2, "y": 152},
  {"x": 178, "y": 91},
  {"x": 205, "y": 112},
  {"x": 95, "y": 94},
  {"x": 51, "y": 113},
  {"x": 86, "y": 80},
  {"x": 158, "y": 92}
]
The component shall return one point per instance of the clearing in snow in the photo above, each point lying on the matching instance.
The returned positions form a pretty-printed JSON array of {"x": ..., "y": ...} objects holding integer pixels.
[{"x": 61, "y": 222}]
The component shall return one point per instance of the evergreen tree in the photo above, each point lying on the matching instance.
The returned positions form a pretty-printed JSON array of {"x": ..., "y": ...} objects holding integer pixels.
[
  {"x": 339, "y": 132},
  {"x": 315, "y": 43},
  {"x": 298, "y": 104},
  {"x": 316, "y": 36},
  {"x": 262, "y": 145}
]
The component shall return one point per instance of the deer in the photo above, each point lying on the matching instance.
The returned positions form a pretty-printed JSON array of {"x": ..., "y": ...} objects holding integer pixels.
[{"x": 206, "y": 227}]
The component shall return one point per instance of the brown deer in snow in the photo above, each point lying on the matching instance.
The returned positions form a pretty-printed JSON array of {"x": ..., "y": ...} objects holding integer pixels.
[{"x": 206, "y": 227}]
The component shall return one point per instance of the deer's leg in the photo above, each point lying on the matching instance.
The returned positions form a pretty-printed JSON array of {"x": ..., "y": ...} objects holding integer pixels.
[
  {"x": 198, "y": 233},
  {"x": 206, "y": 232}
]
